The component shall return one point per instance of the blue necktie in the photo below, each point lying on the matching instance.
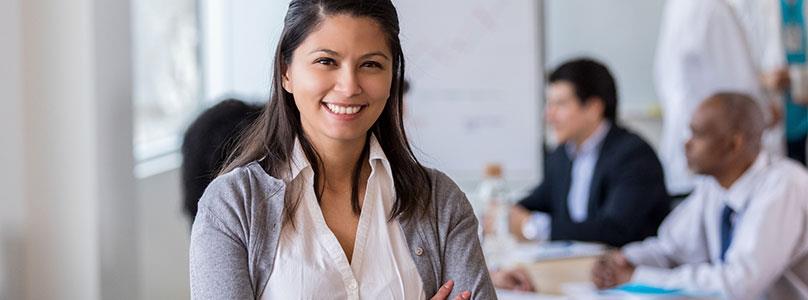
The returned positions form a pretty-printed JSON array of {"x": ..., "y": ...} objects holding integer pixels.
[{"x": 726, "y": 229}]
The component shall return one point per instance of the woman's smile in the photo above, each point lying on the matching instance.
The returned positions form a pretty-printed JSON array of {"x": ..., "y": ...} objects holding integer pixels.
[{"x": 343, "y": 112}]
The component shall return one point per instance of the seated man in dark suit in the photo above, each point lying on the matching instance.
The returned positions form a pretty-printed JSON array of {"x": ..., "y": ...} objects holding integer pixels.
[{"x": 601, "y": 184}]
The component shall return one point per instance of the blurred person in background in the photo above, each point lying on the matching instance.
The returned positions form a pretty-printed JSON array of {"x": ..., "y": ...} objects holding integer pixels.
[
  {"x": 776, "y": 32},
  {"x": 206, "y": 145},
  {"x": 324, "y": 185},
  {"x": 702, "y": 50},
  {"x": 742, "y": 232},
  {"x": 602, "y": 183}
]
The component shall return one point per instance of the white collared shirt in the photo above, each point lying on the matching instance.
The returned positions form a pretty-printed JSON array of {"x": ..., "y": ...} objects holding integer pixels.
[
  {"x": 768, "y": 252},
  {"x": 310, "y": 263},
  {"x": 584, "y": 159}
]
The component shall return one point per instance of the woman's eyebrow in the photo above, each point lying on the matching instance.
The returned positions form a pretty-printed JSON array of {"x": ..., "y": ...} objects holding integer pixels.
[
  {"x": 377, "y": 53},
  {"x": 335, "y": 53},
  {"x": 327, "y": 51}
]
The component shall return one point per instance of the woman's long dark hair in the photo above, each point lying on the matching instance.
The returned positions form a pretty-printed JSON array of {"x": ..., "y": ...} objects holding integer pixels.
[{"x": 273, "y": 135}]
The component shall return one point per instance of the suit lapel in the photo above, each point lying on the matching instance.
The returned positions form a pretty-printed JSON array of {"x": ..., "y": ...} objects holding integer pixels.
[{"x": 600, "y": 170}]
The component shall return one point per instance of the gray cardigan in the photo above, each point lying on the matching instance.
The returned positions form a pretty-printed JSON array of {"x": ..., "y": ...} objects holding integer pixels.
[{"x": 235, "y": 237}]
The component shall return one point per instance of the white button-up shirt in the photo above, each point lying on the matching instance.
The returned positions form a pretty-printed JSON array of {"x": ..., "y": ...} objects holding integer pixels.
[
  {"x": 584, "y": 159},
  {"x": 310, "y": 263},
  {"x": 702, "y": 50},
  {"x": 768, "y": 252}
]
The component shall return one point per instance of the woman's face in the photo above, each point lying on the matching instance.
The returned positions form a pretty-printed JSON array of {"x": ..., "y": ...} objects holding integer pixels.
[{"x": 340, "y": 77}]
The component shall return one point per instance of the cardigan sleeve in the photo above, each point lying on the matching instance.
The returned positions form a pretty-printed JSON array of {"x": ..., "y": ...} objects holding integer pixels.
[
  {"x": 222, "y": 241},
  {"x": 462, "y": 255}
]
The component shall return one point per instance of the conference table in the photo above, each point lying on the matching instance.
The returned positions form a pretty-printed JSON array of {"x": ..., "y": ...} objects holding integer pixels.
[{"x": 559, "y": 270}]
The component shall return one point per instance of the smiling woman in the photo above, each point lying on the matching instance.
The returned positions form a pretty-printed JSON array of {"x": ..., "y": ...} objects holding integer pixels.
[
  {"x": 340, "y": 78},
  {"x": 323, "y": 197}
]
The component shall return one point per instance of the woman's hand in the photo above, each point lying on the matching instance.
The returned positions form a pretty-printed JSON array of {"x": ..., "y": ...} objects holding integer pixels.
[{"x": 446, "y": 289}]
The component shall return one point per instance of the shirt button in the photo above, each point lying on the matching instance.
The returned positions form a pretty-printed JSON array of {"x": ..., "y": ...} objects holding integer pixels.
[
  {"x": 419, "y": 251},
  {"x": 352, "y": 285}
]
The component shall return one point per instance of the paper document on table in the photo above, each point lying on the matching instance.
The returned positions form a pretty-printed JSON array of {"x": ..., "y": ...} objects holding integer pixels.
[
  {"x": 514, "y": 295},
  {"x": 540, "y": 251},
  {"x": 566, "y": 249}
]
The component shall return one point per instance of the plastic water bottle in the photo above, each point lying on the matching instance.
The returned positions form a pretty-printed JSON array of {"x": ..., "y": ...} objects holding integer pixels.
[{"x": 495, "y": 206}]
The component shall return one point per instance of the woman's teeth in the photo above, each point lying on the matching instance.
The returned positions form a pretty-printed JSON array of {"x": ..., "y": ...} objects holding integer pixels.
[{"x": 343, "y": 110}]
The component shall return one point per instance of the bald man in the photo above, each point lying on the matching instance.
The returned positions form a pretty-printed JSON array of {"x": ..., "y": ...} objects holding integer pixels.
[{"x": 743, "y": 233}]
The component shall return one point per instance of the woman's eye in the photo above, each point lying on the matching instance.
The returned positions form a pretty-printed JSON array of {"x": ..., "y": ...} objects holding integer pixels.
[
  {"x": 372, "y": 64},
  {"x": 325, "y": 61}
]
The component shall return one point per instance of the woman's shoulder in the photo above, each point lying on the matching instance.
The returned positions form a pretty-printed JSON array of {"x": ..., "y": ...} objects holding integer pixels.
[
  {"x": 442, "y": 183},
  {"x": 447, "y": 197},
  {"x": 240, "y": 190}
]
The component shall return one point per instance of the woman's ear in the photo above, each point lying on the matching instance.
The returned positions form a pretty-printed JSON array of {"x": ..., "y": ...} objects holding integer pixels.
[{"x": 286, "y": 83}]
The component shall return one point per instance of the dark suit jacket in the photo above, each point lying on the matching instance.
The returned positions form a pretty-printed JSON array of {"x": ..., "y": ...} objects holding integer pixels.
[{"x": 627, "y": 197}]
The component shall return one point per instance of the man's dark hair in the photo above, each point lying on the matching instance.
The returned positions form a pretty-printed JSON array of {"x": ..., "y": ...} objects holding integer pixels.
[
  {"x": 207, "y": 144},
  {"x": 590, "y": 79}
]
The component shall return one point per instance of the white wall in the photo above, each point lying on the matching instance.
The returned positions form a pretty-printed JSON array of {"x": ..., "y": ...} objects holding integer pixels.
[
  {"x": 113, "y": 138},
  {"x": 61, "y": 235},
  {"x": 163, "y": 238},
  {"x": 621, "y": 33},
  {"x": 11, "y": 135},
  {"x": 66, "y": 127},
  {"x": 477, "y": 86},
  {"x": 239, "y": 39}
]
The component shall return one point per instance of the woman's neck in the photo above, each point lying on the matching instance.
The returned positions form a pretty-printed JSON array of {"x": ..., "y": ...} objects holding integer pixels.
[{"x": 338, "y": 159}]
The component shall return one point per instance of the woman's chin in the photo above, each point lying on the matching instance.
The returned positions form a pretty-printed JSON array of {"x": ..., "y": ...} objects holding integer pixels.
[{"x": 347, "y": 136}]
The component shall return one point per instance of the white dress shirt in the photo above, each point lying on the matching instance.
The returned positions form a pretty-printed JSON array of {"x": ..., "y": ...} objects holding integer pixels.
[
  {"x": 702, "y": 50},
  {"x": 584, "y": 159},
  {"x": 310, "y": 263},
  {"x": 767, "y": 253}
]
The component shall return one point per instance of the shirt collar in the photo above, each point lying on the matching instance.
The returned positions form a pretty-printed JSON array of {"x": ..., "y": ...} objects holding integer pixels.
[
  {"x": 300, "y": 163},
  {"x": 377, "y": 155},
  {"x": 739, "y": 194},
  {"x": 591, "y": 144}
]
